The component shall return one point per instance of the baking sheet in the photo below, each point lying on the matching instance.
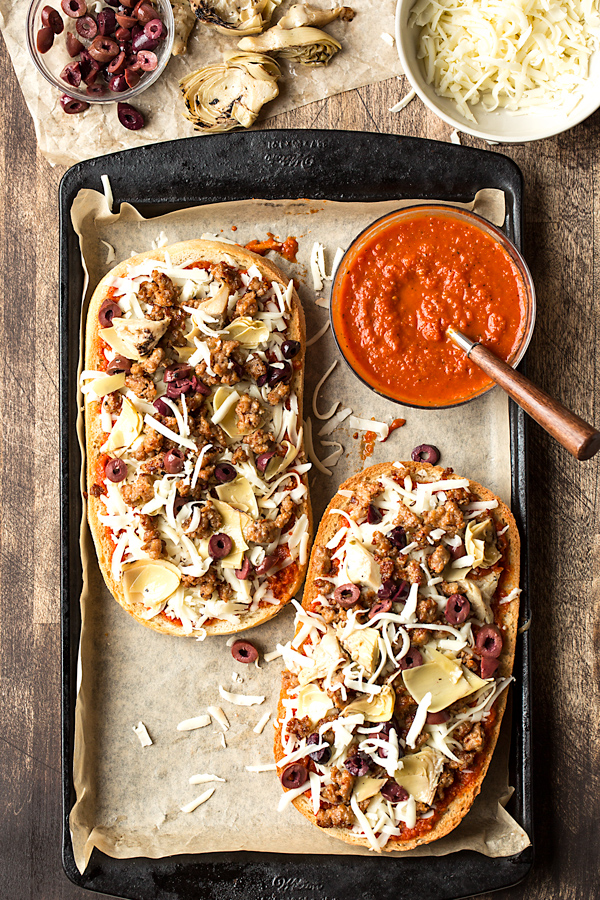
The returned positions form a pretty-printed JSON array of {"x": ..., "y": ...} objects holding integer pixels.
[
  {"x": 66, "y": 139},
  {"x": 132, "y": 673}
]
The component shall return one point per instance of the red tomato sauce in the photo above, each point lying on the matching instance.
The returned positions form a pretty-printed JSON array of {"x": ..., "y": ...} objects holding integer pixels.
[{"x": 401, "y": 290}]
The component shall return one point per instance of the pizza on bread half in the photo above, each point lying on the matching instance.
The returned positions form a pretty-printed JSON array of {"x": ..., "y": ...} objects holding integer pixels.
[
  {"x": 395, "y": 682},
  {"x": 196, "y": 476}
]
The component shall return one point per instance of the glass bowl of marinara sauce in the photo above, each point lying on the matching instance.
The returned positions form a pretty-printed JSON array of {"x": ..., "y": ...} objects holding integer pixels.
[{"x": 410, "y": 275}]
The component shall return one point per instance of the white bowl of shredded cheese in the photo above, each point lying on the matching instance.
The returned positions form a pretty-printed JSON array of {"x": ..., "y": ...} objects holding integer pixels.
[{"x": 503, "y": 70}]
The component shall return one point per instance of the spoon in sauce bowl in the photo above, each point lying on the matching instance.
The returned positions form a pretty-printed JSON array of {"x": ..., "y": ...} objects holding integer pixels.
[{"x": 580, "y": 438}]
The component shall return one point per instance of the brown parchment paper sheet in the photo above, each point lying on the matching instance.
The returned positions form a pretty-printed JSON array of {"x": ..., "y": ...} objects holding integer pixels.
[
  {"x": 67, "y": 139},
  {"x": 129, "y": 798}
]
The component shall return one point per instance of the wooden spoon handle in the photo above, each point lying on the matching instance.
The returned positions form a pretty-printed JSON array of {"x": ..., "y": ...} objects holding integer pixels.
[{"x": 579, "y": 438}]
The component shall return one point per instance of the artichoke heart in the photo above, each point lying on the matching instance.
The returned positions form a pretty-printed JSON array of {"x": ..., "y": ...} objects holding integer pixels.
[
  {"x": 299, "y": 15},
  {"x": 363, "y": 647},
  {"x": 379, "y": 708},
  {"x": 480, "y": 543},
  {"x": 230, "y": 94},
  {"x": 184, "y": 22},
  {"x": 231, "y": 15},
  {"x": 308, "y": 46}
]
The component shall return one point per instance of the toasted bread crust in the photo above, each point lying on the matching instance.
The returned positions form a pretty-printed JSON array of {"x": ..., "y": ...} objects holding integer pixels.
[
  {"x": 181, "y": 253},
  {"x": 506, "y": 618}
]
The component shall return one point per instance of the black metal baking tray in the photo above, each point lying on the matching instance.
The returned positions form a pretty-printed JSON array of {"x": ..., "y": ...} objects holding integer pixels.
[{"x": 336, "y": 165}]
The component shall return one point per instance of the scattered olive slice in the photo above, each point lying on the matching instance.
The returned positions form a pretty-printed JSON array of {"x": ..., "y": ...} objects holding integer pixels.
[
  {"x": 109, "y": 311},
  {"x": 346, "y": 595},
  {"x": 457, "y": 609},
  {"x": 244, "y": 651},
  {"x": 382, "y": 606},
  {"x": 52, "y": 18},
  {"x": 359, "y": 764},
  {"x": 394, "y": 792},
  {"x": 489, "y": 666},
  {"x": 179, "y": 503},
  {"x": 397, "y": 537},
  {"x": 426, "y": 453},
  {"x": 319, "y": 756},
  {"x": 374, "y": 515},
  {"x": 412, "y": 660},
  {"x": 161, "y": 407},
  {"x": 225, "y": 472},
  {"x": 244, "y": 572},
  {"x": 267, "y": 564},
  {"x": 219, "y": 546},
  {"x": 129, "y": 117},
  {"x": 74, "y": 47},
  {"x": 118, "y": 364},
  {"x": 174, "y": 461},
  {"x": 290, "y": 349},
  {"x": 437, "y": 718},
  {"x": 87, "y": 27},
  {"x": 72, "y": 106},
  {"x": 262, "y": 461},
  {"x": 294, "y": 775},
  {"x": 74, "y": 8},
  {"x": 115, "y": 470},
  {"x": 489, "y": 641}
]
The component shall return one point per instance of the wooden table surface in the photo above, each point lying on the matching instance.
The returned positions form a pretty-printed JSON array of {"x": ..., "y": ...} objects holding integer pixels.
[{"x": 562, "y": 228}]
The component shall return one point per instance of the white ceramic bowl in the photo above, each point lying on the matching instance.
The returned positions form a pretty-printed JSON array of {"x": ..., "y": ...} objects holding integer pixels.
[{"x": 500, "y": 125}]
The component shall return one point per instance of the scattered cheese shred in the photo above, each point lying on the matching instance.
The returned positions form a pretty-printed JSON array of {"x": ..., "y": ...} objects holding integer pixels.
[
  {"x": 419, "y": 720},
  {"x": 106, "y": 187},
  {"x": 403, "y": 102},
  {"x": 317, "y": 266},
  {"x": 274, "y": 654},
  {"x": 142, "y": 732},
  {"x": 455, "y": 138},
  {"x": 258, "y": 728},
  {"x": 110, "y": 251},
  {"x": 340, "y": 416},
  {"x": 311, "y": 450},
  {"x": 204, "y": 779},
  {"x": 194, "y": 804},
  {"x": 218, "y": 714},
  {"x": 319, "y": 334},
  {"x": 192, "y": 724},
  {"x": 322, "y": 381},
  {"x": 380, "y": 428},
  {"x": 240, "y": 699},
  {"x": 387, "y": 38}
]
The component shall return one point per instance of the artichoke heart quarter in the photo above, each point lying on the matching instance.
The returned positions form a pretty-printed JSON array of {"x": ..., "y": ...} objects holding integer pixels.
[
  {"x": 230, "y": 94},
  {"x": 249, "y": 17},
  {"x": 308, "y": 46}
]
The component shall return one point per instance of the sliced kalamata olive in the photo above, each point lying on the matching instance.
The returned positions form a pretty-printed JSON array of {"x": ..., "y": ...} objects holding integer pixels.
[
  {"x": 161, "y": 407},
  {"x": 114, "y": 3},
  {"x": 397, "y": 537},
  {"x": 176, "y": 388},
  {"x": 244, "y": 651},
  {"x": 103, "y": 49},
  {"x": 118, "y": 364},
  {"x": 179, "y": 503},
  {"x": 489, "y": 666},
  {"x": 262, "y": 379},
  {"x": 458, "y": 552},
  {"x": 294, "y": 776},
  {"x": 346, "y": 595},
  {"x": 89, "y": 68},
  {"x": 374, "y": 515},
  {"x": 87, "y": 27},
  {"x": 387, "y": 589},
  {"x": 426, "y": 453},
  {"x": 107, "y": 22},
  {"x": 148, "y": 61},
  {"x": 125, "y": 21},
  {"x": 118, "y": 84},
  {"x": 53, "y": 19},
  {"x": 268, "y": 563},
  {"x": 173, "y": 461},
  {"x": 129, "y": 117},
  {"x": 457, "y": 609},
  {"x": 402, "y": 593},
  {"x": 283, "y": 373},
  {"x": 74, "y": 8},
  {"x": 133, "y": 76},
  {"x": 72, "y": 106},
  {"x": 123, "y": 34},
  {"x": 116, "y": 470},
  {"x": 146, "y": 15},
  {"x": 290, "y": 349},
  {"x": 437, "y": 718},
  {"x": 202, "y": 388},
  {"x": 72, "y": 74},
  {"x": 127, "y": 5},
  {"x": 412, "y": 660},
  {"x": 382, "y": 606},
  {"x": 141, "y": 41},
  {"x": 96, "y": 90},
  {"x": 74, "y": 47},
  {"x": 489, "y": 641},
  {"x": 262, "y": 461},
  {"x": 225, "y": 472},
  {"x": 319, "y": 756},
  {"x": 220, "y": 545},
  {"x": 177, "y": 371},
  {"x": 244, "y": 572},
  {"x": 394, "y": 792},
  {"x": 117, "y": 65},
  {"x": 107, "y": 312},
  {"x": 44, "y": 39},
  {"x": 359, "y": 764}
]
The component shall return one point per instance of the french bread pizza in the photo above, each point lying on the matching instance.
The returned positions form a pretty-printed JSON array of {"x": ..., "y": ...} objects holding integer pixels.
[
  {"x": 196, "y": 476},
  {"x": 396, "y": 679}
]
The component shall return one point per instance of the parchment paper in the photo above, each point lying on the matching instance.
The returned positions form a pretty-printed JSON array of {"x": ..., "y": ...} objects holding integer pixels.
[
  {"x": 67, "y": 139},
  {"x": 129, "y": 798}
]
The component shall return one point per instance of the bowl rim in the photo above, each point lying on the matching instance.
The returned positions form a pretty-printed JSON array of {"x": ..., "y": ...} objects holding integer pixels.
[
  {"x": 460, "y": 123},
  {"x": 497, "y": 234},
  {"x": 124, "y": 96}
]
